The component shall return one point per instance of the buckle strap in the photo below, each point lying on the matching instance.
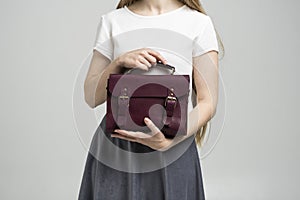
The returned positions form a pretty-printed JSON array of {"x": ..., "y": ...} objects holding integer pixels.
[
  {"x": 123, "y": 102},
  {"x": 170, "y": 104}
]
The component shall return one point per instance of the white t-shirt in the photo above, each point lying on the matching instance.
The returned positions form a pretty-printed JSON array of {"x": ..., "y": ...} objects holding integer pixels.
[{"x": 177, "y": 35}]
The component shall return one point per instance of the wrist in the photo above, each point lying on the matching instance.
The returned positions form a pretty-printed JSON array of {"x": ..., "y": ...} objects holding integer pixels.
[
  {"x": 116, "y": 66},
  {"x": 166, "y": 144},
  {"x": 119, "y": 61}
]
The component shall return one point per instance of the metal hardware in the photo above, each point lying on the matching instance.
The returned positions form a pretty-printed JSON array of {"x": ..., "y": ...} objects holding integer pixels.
[
  {"x": 123, "y": 94},
  {"x": 170, "y": 98},
  {"x": 173, "y": 70},
  {"x": 160, "y": 64},
  {"x": 123, "y": 97}
]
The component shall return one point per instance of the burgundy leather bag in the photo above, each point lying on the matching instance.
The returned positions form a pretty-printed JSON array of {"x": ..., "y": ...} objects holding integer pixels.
[{"x": 162, "y": 98}]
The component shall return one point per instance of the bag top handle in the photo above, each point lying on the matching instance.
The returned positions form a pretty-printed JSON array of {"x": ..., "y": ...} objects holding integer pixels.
[{"x": 160, "y": 64}]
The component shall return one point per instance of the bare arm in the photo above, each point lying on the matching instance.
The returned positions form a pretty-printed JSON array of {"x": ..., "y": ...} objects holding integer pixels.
[
  {"x": 206, "y": 82},
  {"x": 96, "y": 79},
  {"x": 205, "y": 69}
]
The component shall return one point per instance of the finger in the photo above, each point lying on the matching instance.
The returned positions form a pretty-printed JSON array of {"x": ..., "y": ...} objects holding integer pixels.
[
  {"x": 129, "y": 134},
  {"x": 151, "y": 126},
  {"x": 151, "y": 59},
  {"x": 142, "y": 66},
  {"x": 132, "y": 134},
  {"x": 145, "y": 62},
  {"x": 157, "y": 55},
  {"x": 123, "y": 137}
]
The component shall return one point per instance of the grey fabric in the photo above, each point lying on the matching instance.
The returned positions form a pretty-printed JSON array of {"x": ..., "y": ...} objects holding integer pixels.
[{"x": 180, "y": 180}]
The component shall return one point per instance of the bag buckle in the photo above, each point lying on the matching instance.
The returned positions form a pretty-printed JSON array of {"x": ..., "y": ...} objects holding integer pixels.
[
  {"x": 123, "y": 97},
  {"x": 171, "y": 98}
]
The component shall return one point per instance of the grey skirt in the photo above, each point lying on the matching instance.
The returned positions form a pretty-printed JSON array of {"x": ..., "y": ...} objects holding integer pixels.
[{"x": 108, "y": 175}]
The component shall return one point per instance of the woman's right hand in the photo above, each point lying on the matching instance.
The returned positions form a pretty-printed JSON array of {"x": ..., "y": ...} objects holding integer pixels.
[{"x": 142, "y": 58}]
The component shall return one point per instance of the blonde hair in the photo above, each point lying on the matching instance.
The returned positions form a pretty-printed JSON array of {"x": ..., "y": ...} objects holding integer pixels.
[{"x": 196, "y": 5}]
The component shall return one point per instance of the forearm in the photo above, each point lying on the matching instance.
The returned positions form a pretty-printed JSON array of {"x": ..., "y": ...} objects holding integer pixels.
[
  {"x": 95, "y": 86},
  {"x": 197, "y": 118}
]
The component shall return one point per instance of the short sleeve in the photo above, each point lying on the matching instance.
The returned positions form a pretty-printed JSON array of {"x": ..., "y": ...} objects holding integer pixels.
[
  {"x": 103, "y": 41},
  {"x": 206, "y": 40}
]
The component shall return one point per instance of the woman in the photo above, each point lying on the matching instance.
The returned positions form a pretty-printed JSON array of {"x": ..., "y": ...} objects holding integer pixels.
[{"x": 124, "y": 41}]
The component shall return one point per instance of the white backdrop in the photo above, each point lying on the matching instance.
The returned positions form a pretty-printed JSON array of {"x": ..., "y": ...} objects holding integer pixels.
[{"x": 43, "y": 44}]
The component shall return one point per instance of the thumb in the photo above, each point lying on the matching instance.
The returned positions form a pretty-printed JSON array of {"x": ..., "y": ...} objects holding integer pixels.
[{"x": 151, "y": 125}]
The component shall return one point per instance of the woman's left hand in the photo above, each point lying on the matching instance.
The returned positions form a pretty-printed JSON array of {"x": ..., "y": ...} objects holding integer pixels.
[{"x": 155, "y": 139}]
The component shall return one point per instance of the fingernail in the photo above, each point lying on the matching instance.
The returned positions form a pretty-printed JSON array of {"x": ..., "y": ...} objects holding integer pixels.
[{"x": 147, "y": 119}]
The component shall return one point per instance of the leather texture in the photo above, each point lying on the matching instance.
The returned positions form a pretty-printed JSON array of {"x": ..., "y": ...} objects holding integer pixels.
[{"x": 162, "y": 98}]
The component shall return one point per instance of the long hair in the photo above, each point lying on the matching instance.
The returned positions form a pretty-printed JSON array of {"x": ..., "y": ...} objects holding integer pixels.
[{"x": 196, "y": 5}]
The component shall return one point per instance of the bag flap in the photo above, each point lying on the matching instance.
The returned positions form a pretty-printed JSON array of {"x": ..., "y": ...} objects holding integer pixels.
[{"x": 148, "y": 85}]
